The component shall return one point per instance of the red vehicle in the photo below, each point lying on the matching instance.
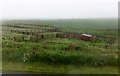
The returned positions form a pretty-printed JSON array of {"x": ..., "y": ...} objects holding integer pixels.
[{"x": 87, "y": 37}]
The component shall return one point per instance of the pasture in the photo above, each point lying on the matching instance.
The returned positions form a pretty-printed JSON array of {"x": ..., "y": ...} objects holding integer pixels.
[{"x": 54, "y": 46}]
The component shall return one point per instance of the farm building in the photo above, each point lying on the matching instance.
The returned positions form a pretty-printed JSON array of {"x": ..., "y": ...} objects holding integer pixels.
[{"x": 87, "y": 37}]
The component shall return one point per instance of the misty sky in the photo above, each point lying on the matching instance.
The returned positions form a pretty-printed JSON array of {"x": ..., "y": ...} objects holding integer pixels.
[{"x": 59, "y": 9}]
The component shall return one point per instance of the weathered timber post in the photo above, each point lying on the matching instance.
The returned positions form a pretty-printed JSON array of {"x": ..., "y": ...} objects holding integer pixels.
[
  {"x": 23, "y": 38},
  {"x": 27, "y": 33},
  {"x": 14, "y": 38},
  {"x": 11, "y": 30},
  {"x": 57, "y": 35},
  {"x": 23, "y": 32},
  {"x": 42, "y": 36}
]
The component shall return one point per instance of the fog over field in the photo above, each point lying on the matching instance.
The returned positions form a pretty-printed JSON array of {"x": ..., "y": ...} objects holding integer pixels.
[
  {"x": 59, "y": 9},
  {"x": 59, "y": 36}
]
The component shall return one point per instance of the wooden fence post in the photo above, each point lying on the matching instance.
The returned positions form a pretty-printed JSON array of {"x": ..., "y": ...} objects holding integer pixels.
[
  {"x": 42, "y": 36},
  {"x": 11, "y": 30},
  {"x": 23, "y": 38},
  {"x": 14, "y": 38}
]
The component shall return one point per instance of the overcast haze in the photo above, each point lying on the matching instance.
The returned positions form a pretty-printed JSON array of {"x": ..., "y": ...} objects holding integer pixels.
[{"x": 59, "y": 9}]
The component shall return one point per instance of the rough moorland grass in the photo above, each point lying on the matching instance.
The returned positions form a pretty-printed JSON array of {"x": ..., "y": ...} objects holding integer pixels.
[
  {"x": 26, "y": 52},
  {"x": 62, "y": 52}
]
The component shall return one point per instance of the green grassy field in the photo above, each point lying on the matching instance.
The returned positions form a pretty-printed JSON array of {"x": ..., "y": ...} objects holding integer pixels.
[{"x": 61, "y": 55}]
